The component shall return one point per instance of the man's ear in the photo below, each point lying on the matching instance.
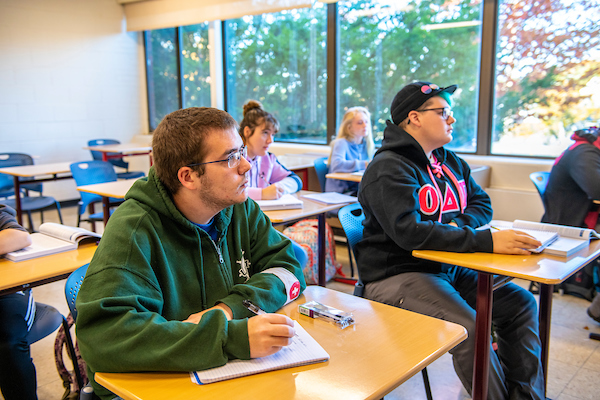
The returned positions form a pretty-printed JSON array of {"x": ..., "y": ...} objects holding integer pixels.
[
  {"x": 188, "y": 178},
  {"x": 414, "y": 118}
]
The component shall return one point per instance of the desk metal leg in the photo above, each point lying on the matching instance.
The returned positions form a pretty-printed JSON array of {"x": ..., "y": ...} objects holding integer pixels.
[
  {"x": 545, "y": 318},
  {"x": 322, "y": 249},
  {"x": 483, "y": 328},
  {"x": 106, "y": 209},
  {"x": 17, "y": 185}
]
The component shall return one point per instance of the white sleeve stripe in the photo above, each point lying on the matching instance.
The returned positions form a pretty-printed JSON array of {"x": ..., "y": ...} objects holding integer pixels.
[{"x": 292, "y": 284}]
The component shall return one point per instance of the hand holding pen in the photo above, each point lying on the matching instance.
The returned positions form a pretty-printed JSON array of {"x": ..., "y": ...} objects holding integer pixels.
[{"x": 267, "y": 333}]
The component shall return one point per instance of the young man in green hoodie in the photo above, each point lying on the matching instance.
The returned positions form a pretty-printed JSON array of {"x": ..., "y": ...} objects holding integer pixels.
[
  {"x": 164, "y": 290},
  {"x": 417, "y": 195}
]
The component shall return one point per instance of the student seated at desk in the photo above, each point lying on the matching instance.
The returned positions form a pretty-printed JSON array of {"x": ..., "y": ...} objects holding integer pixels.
[
  {"x": 268, "y": 178},
  {"x": 17, "y": 312},
  {"x": 351, "y": 150},
  {"x": 164, "y": 290},
  {"x": 573, "y": 186},
  {"x": 417, "y": 195}
]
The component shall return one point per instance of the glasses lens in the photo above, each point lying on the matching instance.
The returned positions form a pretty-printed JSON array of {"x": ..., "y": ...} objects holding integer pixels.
[{"x": 234, "y": 158}]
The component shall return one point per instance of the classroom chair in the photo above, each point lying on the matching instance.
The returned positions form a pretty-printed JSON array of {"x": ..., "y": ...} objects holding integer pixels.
[
  {"x": 117, "y": 162},
  {"x": 351, "y": 218},
  {"x": 321, "y": 168},
  {"x": 540, "y": 180},
  {"x": 47, "y": 320},
  {"x": 28, "y": 203},
  {"x": 87, "y": 173}
]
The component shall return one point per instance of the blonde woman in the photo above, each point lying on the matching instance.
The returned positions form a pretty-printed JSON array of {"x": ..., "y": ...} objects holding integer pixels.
[{"x": 351, "y": 150}]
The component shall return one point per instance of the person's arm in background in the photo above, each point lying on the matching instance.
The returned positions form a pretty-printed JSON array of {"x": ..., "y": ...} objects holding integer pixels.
[
  {"x": 12, "y": 235},
  {"x": 342, "y": 161}
]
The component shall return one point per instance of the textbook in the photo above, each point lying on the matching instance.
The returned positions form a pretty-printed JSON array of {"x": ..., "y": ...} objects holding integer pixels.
[
  {"x": 304, "y": 350},
  {"x": 331, "y": 198},
  {"x": 570, "y": 239},
  {"x": 53, "y": 238},
  {"x": 285, "y": 202}
]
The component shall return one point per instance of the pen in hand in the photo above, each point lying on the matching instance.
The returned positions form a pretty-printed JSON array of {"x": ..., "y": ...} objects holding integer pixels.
[
  {"x": 256, "y": 309},
  {"x": 253, "y": 307}
]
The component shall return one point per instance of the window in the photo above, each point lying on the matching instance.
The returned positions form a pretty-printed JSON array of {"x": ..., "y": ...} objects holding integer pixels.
[
  {"x": 195, "y": 66},
  {"x": 279, "y": 59},
  {"x": 547, "y": 82},
  {"x": 162, "y": 73},
  {"x": 386, "y": 44}
]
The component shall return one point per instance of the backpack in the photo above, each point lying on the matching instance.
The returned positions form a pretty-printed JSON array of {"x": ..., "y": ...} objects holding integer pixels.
[
  {"x": 72, "y": 389},
  {"x": 305, "y": 233},
  {"x": 583, "y": 282}
]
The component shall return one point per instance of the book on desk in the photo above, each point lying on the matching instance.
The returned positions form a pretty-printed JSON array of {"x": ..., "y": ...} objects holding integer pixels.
[
  {"x": 53, "y": 238},
  {"x": 285, "y": 202},
  {"x": 303, "y": 350},
  {"x": 569, "y": 239},
  {"x": 331, "y": 198}
]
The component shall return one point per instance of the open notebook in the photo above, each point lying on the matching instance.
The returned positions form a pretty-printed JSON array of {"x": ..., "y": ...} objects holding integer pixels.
[{"x": 303, "y": 350}]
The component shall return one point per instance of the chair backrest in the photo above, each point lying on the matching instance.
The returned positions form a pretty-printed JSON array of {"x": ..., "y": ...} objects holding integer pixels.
[
  {"x": 540, "y": 180},
  {"x": 90, "y": 172},
  {"x": 6, "y": 181},
  {"x": 72, "y": 286},
  {"x": 47, "y": 320},
  {"x": 97, "y": 155},
  {"x": 321, "y": 168},
  {"x": 351, "y": 218}
]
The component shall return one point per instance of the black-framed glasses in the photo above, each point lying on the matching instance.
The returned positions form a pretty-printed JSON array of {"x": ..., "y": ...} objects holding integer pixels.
[
  {"x": 232, "y": 161},
  {"x": 446, "y": 112}
]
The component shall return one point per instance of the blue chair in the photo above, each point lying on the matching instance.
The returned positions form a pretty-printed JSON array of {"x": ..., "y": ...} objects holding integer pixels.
[
  {"x": 117, "y": 162},
  {"x": 540, "y": 180},
  {"x": 47, "y": 320},
  {"x": 87, "y": 173},
  {"x": 351, "y": 217},
  {"x": 321, "y": 168},
  {"x": 28, "y": 203}
]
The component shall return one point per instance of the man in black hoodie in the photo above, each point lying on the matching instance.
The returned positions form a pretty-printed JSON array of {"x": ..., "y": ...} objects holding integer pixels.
[{"x": 418, "y": 195}]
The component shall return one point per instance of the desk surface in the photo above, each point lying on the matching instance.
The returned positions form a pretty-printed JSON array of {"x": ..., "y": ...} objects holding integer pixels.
[
  {"x": 543, "y": 268},
  {"x": 345, "y": 176},
  {"x": 117, "y": 189},
  {"x": 29, "y": 171},
  {"x": 120, "y": 148},
  {"x": 310, "y": 208},
  {"x": 298, "y": 161},
  {"x": 38, "y": 271},
  {"x": 359, "y": 366}
]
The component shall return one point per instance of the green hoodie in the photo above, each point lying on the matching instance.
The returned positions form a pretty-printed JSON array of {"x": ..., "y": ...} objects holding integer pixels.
[{"x": 154, "y": 268}]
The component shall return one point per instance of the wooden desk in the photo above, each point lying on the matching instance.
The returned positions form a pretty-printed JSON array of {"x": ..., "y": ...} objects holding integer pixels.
[
  {"x": 31, "y": 171},
  {"x": 311, "y": 208},
  {"x": 546, "y": 269},
  {"x": 26, "y": 274},
  {"x": 124, "y": 149},
  {"x": 345, "y": 176},
  {"x": 385, "y": 347}
]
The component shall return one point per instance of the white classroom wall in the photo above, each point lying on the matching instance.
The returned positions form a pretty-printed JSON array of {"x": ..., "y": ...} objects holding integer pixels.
[{"x": 69, "y": 72}]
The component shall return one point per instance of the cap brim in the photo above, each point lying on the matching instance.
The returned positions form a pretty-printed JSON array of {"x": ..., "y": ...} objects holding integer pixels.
[{"x": 449, "y": 89}]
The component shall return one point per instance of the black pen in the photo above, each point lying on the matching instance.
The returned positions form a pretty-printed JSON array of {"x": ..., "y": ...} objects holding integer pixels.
[{"x": 253, "y": 307}]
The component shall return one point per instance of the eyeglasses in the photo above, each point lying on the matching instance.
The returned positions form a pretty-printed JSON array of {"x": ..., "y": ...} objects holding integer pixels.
[
  {"x": 446, "y": 112},
  {"x": 232, "y": 161}
]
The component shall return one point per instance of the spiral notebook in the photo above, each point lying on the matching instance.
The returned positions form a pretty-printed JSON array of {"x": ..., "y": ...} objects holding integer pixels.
[{"x": 303, "y": 350}]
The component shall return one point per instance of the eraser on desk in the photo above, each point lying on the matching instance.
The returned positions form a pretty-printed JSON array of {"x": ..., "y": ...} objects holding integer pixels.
[{"x": 337, "y": 317}]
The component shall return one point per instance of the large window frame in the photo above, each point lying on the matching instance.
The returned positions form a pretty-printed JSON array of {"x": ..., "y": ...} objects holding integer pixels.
[{"x": 487, "y": 76}]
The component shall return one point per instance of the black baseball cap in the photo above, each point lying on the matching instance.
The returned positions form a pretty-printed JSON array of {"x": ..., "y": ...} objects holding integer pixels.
[{"x": 412, "y": 96}]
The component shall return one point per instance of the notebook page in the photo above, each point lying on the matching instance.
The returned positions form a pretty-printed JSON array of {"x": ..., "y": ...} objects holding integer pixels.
[{"x": 303, "y": 350}]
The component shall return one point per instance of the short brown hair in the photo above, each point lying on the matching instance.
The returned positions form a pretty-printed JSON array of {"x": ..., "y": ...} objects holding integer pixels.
[
  {"x": 255, "y": 115},
  {"x": 178, "y": 141}
]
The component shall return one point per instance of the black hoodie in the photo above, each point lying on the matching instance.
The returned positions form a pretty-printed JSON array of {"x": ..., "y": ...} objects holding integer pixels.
[{"x": 402, "y": 208}]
